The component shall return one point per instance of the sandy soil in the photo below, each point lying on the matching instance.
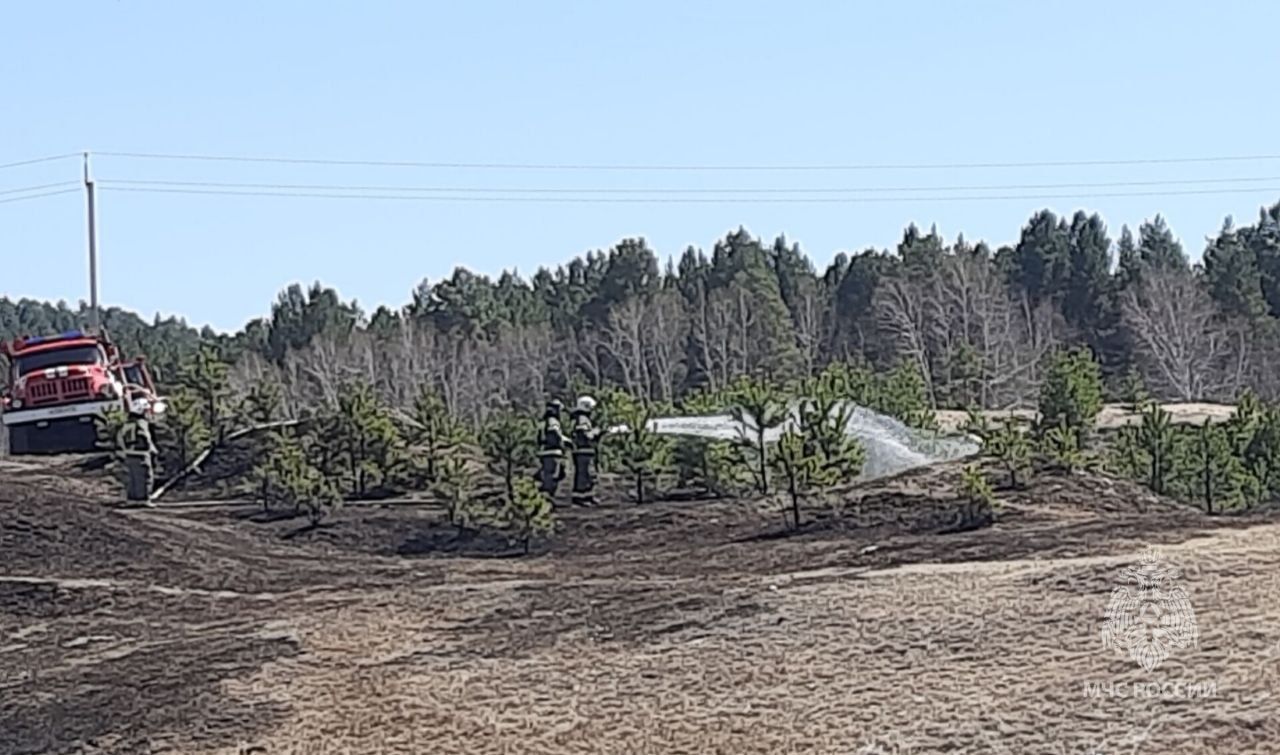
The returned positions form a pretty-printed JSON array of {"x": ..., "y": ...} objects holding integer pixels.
[
  {"x": 664, "y": 628},
  {"x": 1111, "y": 417}
]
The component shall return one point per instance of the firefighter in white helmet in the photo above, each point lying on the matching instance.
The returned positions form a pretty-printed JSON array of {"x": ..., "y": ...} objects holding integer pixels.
[{"x": 584, "y": 436}]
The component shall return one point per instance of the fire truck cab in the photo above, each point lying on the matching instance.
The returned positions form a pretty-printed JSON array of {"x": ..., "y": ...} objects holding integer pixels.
[{"x": 59, "y": 384}]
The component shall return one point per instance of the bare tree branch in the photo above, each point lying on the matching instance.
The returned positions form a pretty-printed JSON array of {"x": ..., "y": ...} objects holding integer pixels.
[{"x": 1185, "y": 349}]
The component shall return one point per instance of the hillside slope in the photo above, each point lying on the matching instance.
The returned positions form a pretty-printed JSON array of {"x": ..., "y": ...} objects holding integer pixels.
[{"x": 695, "y": 627}]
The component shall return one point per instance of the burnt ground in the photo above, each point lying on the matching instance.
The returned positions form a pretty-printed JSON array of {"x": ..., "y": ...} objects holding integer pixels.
[{"x": 698, "y": 627}]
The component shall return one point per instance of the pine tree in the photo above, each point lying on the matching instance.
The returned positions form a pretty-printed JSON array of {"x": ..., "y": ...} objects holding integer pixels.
[
  {"x": 1061, "y": 448},
  {"x": 824, "y": 420},
  {"x": 185, "y": 432},
  {"x": 434, "y": 432},
  {"x": 1009, "y": 445},
  {"x": 758, "y": 408},
  {"x": 454, "y": 485},
  {"x": 285, "y": 476},
  {"x": 1037, "y": 265},
  {"x": 367, "y": 439},
  {"x": 205, "y": 377},
  {"x": 270, "y": 447},
  {"x": 1158, "y": 440},
  {"x": 689, "y": 455},
  {"x": 708, "y": 464},
  {"x": 798, "y": 466},
  {"x": 979, "y": 502},
  {"x": 1158, "y": 248},
  {"x": 722, "y": 470},
  {"x": 902, "y": 393},
  {"x": 1262, "y": 455},
  {"x": 1212, "y": 473},
  {"x": 261, "y": 405},
  {"x": 1244, "y": 422},
  {"x": 1126, "y": 455},
  {"x": 509, "y": 443},
  {"x": 1129, "y": 265},
  {"x": 1072, "y": 393},
  {"x": 1263, "y": 240},
  {"x": 527, "y": 513},
  {"x": 643, "y": 454},
  {"x": 1087, "y": 275},
  {"x": 1233, "y": 275}
]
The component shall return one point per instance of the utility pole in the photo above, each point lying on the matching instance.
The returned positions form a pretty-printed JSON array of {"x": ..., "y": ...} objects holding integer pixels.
[{"x": 95, "y": 323}]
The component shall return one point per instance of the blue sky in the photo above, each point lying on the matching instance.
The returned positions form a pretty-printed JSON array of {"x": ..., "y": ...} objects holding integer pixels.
[{"x": 653, "y": 83}]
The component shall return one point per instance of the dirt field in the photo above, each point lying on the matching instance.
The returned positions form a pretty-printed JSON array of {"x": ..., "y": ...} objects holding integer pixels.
[{"x": 664, "y": 628}]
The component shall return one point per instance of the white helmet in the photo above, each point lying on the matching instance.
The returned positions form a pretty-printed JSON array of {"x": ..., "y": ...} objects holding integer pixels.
[{"x": 586, "y": 403}]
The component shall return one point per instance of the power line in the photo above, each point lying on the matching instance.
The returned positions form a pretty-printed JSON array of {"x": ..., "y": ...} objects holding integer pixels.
[
  {"x": 39, "y": 186},
  {"x": 691, "y": 200},
  {"x": 39, "y": 196},
  {"x": 728, "y": 190},
  {"x": 50, "y": 158},
  {"x": 624, "y": 167}
]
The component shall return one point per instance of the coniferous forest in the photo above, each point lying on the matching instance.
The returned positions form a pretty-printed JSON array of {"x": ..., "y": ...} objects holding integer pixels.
[{"x": 934, "y": 323}]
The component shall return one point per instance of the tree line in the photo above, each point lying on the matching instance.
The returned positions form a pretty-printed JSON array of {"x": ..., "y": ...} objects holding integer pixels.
[{"x": 976, "y": 324}]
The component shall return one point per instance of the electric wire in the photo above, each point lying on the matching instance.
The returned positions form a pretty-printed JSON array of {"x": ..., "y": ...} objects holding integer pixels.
[
  {"x": 689, "y": 200},
  {"x": 37, "y": 196},
  {"x": 632, "y": 190},
  {"x": 38, "y": 186},
  {"x": 34, "y": 161},
  {"x": 673, "y": 168}
]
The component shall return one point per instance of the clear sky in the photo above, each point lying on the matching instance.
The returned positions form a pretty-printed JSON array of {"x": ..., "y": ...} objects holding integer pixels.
[{"x": 593, "y": 82}]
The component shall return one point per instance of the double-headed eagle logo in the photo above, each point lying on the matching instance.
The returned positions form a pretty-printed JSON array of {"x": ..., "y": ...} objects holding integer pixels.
[{"x": 1149, "y": 616}]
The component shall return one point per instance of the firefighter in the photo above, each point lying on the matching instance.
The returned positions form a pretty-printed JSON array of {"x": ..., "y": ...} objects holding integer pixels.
[
  {"x": 585, "y": 436},
  {"x": 551, "y": 449},
  {"x": 139, "y": 454}
]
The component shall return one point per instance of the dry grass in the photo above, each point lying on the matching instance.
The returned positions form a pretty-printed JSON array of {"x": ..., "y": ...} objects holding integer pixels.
[{"x": 660, "y": 629}]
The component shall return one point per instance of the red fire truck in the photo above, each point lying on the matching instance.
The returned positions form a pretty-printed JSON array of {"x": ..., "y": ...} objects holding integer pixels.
[{"x": 59, "y": 384}]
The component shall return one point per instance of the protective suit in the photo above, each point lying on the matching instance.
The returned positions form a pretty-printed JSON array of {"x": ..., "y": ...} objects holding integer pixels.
[
  {"x": 585, "y": 436},
  {"x": 139, "y": 458},
  {"x": 551, "y": 443}
]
